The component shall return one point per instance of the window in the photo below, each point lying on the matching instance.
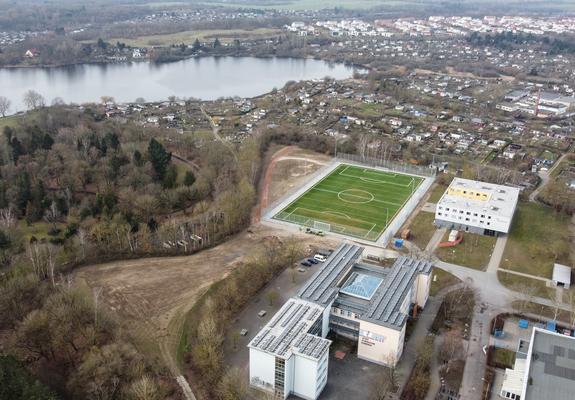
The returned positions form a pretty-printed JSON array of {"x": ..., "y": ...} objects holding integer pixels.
[
  {"x": 482, "y": 215},
  {"x": 467, "y": 219},
  {"x": 489, "y": 217},
  {"x": 438, "y": 213},
  {"x": 475, "y": 214},
  {"x": 468, "y": 213}
]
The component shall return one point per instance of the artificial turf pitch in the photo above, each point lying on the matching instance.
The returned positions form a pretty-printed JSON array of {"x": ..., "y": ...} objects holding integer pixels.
[{"x": 354, "y": 201}]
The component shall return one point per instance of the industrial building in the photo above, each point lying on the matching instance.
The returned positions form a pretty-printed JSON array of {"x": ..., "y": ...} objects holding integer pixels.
[
  {"x": 477, "y": 207},
  {"x": 544, "y": 368},
  {"x": 361, "y": 301}
]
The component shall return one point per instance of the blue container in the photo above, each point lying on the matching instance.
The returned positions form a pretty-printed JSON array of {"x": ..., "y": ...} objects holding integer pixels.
[
  {"x": 523, "y": 324},
  {"x": 399, "y": 243},
  {"x": 552, "y": 326}
]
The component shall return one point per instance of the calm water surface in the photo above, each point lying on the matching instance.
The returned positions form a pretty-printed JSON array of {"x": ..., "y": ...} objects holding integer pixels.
[{"x": 206, "y": 78}]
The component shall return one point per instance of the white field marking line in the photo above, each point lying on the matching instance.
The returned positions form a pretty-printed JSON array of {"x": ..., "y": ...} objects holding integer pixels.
[
  {"x": 390, "y": 191},
  {"x": 331, "y": 223},
  {"x": 292, "y": 211},
  {"x": 327, "y": 175},
  {"x": 372, "y": 180},
  {"x": 367, "y": 200},
  {"x": 374, "y": 199},
  {"x": 401, "y": 208},
  {"x": 368, "y": 232},
  {"x": 336, "y": 213},
  {"x": 367, "y": 171}
]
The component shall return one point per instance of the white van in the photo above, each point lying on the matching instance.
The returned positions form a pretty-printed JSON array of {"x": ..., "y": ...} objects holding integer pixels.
[{"x": 320, "y": 257}]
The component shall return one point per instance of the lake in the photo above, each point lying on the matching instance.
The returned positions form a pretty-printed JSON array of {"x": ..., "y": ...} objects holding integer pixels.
[{"x": 206, "y": 78}]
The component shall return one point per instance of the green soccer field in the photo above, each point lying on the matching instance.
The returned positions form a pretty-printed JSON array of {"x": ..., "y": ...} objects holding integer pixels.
[{"x": 354, "y": 201}]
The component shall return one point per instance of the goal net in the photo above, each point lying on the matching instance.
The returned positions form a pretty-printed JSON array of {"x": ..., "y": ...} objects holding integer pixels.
[{"x": 322, "y": 226}]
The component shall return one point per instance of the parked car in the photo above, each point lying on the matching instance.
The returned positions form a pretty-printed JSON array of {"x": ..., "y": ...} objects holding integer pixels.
[
  {"x": 262, "y": 313},
  {"x": 305, "y": 264},
  {"x": 301, "y": 269},
  {"x": 320, "y": 257},
  {"x": 244, "y": 332},
  {"x": 312, "y": 261}
]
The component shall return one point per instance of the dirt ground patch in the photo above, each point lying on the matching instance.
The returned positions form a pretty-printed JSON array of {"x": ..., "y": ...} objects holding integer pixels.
[
  {"x": 152, "y": 295},
  {"x": 292, "y": 171}
]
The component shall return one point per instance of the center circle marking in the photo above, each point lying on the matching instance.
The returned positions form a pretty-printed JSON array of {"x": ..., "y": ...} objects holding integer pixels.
[{"x": 355, "y": 196}]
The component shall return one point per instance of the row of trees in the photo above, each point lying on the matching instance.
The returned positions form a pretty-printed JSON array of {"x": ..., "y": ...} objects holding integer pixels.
[{"x": 213, "y": 314}]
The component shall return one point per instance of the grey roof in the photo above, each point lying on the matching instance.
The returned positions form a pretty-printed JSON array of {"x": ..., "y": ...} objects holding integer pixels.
[
  {"x": 321, "y": 287},
  {"x": 551, "y": 367},
  {"x": 287, "y": 331},
  {"x": 383, "y": 307}
]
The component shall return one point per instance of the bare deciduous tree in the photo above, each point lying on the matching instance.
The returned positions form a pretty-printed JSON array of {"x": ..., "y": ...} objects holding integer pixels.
[
  {"x": 4, "y": 106},
  {"x": 33, "y": 100},
  {"x": 7, "y": 218}
]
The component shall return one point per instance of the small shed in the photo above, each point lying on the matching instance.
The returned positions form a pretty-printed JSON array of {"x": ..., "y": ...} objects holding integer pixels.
[{"x": 562, "y": 276}]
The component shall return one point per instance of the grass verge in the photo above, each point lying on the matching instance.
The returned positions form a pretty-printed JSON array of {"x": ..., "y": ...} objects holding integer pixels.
[
  {"x": 539, "y": 237},
  {"x": 474, "y": 252},
  {"x": 422, "y": 229},
  {"x": 442, "y": 280}
]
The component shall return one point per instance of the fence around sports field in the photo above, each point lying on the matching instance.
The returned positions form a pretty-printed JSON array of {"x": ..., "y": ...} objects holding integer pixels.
[
  {"x": 275, "y": 211},
  {"x": 387, "y": 164},
  {"x": 331, "y": 226}
]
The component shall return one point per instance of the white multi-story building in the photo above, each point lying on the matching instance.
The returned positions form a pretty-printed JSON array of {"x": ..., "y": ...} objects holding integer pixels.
[
  {"x": 544, "y": 368},
  {"x": 289, "y": 355},
  {"x": 477, "y": 207},
  {"x": 363, "y": 302}
]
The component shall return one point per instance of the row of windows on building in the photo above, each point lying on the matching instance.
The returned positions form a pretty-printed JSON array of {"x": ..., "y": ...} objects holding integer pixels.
[
  {"x": 509, "y": 395},
  {"x": 455, "y": 211},
  {"x": 466, "y": 218},
  {"x": 344, "y": 313}
]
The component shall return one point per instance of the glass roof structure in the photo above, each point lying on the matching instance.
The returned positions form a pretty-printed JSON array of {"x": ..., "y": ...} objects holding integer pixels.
[{"x": 361, "y": 285}]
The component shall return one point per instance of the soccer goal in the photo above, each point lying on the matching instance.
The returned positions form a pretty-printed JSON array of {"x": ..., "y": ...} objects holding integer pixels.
[{"x": 322, "y": 226}]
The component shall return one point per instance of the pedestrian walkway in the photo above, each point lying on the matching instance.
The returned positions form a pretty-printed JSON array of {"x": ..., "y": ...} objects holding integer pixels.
[
  {"x": 435, "y": 384},
  {"x": 539, "y": 278},
  {"x": 497, "y": 255},
  {"x": 421, "y": 330},
  {"x": 435, "y": 240}
]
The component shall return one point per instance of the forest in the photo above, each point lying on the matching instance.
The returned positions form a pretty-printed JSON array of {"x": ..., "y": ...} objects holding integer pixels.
[{"x": 76, "y": 189}]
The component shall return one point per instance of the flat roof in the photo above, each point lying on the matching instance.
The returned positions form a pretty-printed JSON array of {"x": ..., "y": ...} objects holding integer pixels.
[
  {"x": 321, "y": 287},
  {"x": 385, "y": 306},
  {"x": 495, "y": 199},
  {"x": 287, "y": 332},
  {"x": 361, "y": 285},
  {"x": 382, "y": 300},
  {"x": 550, "y": 367},
  {"x": 561, "y": 273}
]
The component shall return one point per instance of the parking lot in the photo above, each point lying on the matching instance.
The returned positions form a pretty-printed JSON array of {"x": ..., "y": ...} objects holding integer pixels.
[{"x": 285, "y": 285}]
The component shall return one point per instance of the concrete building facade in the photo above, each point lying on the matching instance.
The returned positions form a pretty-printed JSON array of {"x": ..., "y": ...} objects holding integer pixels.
[
  {"x": 477, "y": 207},
  {"x": 364, "y": 302}
]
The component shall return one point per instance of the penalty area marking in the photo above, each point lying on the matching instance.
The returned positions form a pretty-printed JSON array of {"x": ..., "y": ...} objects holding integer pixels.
[{"x": 336, "y": 213}]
